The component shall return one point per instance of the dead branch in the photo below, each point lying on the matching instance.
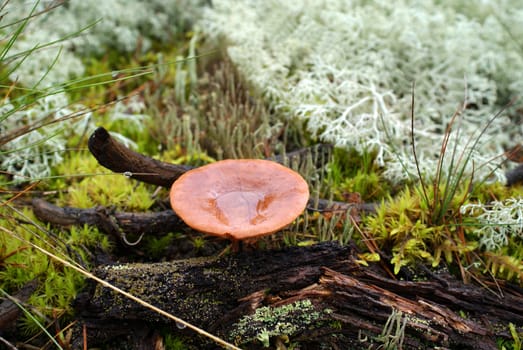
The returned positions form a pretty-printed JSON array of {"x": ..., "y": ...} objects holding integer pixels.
[
  {"x": 117, "y": 224},
  {"x": 154, "y": 223},
  {"x": 118, "y": 158}
]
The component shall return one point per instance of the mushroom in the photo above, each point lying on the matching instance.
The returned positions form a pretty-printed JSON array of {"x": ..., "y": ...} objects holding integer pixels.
[{"x": 239, "y": 199}]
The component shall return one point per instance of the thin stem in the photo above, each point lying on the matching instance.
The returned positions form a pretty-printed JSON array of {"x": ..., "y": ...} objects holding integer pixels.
[{"x": 416, "y": 160}]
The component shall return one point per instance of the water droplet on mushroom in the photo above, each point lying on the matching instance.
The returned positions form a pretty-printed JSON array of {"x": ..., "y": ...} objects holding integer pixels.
[{"x": 239, "y": 208}]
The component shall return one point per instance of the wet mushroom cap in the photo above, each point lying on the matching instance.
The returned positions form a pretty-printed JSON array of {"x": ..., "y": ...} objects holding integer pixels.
[{"x": 239, "y": 199}]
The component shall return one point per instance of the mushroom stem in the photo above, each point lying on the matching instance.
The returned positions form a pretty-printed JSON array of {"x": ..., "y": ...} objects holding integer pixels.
[{"x": 236, "y": 245}]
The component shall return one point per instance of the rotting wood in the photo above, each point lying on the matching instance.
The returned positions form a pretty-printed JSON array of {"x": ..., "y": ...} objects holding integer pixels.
[{"x": 351, "y": 302}]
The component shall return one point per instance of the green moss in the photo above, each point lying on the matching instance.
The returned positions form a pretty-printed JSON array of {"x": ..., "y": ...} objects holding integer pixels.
[
  {"x": 97, "y": 186},
  {"x": 352, "y": 172},
  {"x": 513, "y": 344},
  {"x": 402, "y": 227},
  {"x": 405, "y": 228},
  {"x": 172, "y": 342},
  {"x": 21, "y": 264},
  {"x": 177, "y": 155},
  {"x": 156, "y": 247},
  {"x": 198, "y": 242}
]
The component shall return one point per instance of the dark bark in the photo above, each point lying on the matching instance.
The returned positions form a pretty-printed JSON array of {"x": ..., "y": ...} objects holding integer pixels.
[
  {"x": 118, "y": 158},
  {"x": 9, "y": 310},
  {"x": 349, "y": 302},
  {"x": 515, "y": 176}
]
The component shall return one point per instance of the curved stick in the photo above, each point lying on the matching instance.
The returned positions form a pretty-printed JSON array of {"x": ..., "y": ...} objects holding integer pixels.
[
  {"x": 108, "y": 220},
  {"x": 118, "y": 158}
]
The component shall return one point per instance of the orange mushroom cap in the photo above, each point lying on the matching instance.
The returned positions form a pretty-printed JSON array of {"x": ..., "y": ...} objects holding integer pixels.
[{"x": 239, "y": 199}]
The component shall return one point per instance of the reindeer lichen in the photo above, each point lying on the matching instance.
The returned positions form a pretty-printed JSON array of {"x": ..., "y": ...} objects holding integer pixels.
[{"x": 347, "y": 69}]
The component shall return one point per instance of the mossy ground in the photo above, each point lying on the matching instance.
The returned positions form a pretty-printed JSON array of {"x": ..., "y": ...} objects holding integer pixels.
[{"x": 216, "y": 116}]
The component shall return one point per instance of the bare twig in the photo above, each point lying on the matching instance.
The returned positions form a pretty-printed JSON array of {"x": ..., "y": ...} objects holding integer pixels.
[{"x": 118, "y": 158}]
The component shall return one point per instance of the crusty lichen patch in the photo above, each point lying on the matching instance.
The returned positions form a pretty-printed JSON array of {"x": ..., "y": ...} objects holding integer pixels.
[{"x": 282, "y": 321}]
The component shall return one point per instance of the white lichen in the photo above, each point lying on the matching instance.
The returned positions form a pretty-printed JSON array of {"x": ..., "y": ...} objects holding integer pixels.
[
  {"x": 91, "y": 28},
  {"x": 347, "y": 68},
  {"x": 31, "y": 155},
  {"x": 497, "y": 222},
  {"x": 36, "y": 63}
]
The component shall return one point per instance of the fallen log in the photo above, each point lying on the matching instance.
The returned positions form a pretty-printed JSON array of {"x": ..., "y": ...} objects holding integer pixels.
[{"x": 316, "y": 295}]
